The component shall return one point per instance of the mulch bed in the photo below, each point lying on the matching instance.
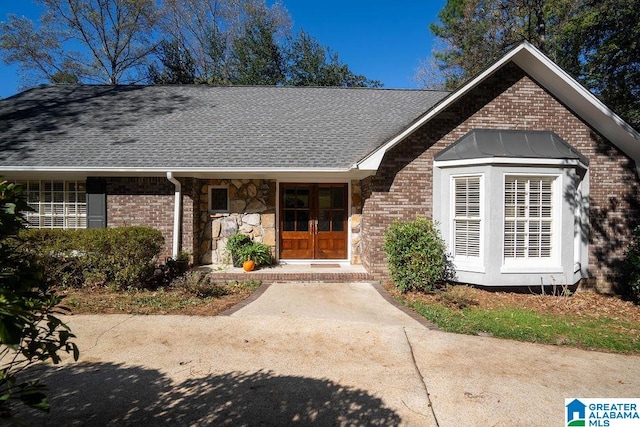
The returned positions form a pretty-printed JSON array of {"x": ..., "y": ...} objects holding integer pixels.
[{"x": 581, "y": 303}]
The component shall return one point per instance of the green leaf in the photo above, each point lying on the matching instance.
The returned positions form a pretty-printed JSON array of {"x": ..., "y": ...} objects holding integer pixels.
[
  {"x": 76, "y": 352},
  {"x": 35, "y": 399},
  {"x": 10, "y": 331}
]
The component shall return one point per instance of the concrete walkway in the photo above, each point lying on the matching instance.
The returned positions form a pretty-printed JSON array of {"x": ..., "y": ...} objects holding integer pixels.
[{"x": 320, "y": 354}]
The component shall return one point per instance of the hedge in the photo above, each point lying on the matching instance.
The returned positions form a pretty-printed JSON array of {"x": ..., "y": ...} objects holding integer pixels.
[{"x": 116, "y": 257}]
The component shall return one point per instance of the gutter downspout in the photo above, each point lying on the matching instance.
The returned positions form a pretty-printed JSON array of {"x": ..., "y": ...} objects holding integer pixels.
[{"x": 177, "y": 208}]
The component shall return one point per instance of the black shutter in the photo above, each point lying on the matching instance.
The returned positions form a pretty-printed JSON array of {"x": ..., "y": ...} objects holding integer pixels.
[{"x": 96, "y": 203}]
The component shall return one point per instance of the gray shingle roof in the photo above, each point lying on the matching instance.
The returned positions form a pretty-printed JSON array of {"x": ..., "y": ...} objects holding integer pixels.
[{"x": 205, "y": 127}]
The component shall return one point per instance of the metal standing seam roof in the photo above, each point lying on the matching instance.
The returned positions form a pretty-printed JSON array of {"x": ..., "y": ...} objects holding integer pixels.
[
  {"x": 484, "y": 143},
  {"x": 199, "y": 126}
]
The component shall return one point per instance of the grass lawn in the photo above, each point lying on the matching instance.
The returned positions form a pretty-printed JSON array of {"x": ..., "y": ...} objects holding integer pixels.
[{"x": 584, "y": 320}]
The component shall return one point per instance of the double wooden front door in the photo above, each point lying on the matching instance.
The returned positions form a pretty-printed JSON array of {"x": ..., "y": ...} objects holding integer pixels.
[{"x": 313, "y": 221}]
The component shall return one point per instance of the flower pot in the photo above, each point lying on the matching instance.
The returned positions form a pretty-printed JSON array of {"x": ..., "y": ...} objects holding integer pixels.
[{"x": 248, "y": 265}]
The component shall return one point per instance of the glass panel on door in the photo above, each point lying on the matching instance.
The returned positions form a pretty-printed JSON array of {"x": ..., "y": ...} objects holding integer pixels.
[
  {"x": 312, "y": 221},
  {"x": 296, "y": 209}
]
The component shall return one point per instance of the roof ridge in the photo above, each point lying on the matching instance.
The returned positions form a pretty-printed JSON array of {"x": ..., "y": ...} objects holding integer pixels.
[{"x": 201, "y": 85}]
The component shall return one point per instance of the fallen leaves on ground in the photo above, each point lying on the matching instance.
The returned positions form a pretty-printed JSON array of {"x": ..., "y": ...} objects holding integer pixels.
[
  {"x": 580, "y": 303},
  {"x": 171, "y": 301}
]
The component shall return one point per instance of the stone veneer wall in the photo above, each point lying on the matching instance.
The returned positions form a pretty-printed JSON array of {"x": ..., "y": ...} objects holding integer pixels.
[
  {"x": 252, "y": 212},
  {"x": 402, "y": 187},
  {"x": 356, "y": 221}
]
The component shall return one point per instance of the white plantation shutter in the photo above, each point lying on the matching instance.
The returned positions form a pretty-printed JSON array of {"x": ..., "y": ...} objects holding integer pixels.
[
  {"x": 467, "y": 216},
  {"x": 528, "y": 217}
]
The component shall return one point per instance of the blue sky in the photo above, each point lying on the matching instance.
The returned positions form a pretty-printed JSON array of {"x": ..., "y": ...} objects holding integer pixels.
[{"x": 384, "y": 40}]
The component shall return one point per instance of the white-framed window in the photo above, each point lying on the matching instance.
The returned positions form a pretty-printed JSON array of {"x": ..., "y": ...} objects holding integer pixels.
[
  {"x": 467, "y": 220},
  {"x": 531, "y": 212},
  {"x": 218, "y": 199},
  {"x": 56, "y": 204}
]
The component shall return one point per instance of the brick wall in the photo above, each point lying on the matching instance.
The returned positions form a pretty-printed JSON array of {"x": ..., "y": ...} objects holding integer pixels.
[
  {"x": 402, "y": 188},
  {"x": 150, "y": 202}
]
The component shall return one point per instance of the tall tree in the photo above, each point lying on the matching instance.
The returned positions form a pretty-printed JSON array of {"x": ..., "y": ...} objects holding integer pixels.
[
  {"x": 209, "y": 29},
  {"x": 256, "y": 55},
  {"x": 594, "y": 40},
  {"x": 311, "y": 64},
  {"x": 177, "y": 65},
  {"x": 477, "y": 32},
  {"x": 601, "y": 47},
  {"x": 194, "y": 25},
  {"x": 169, "y": 41},
  {"x": 308, "y": 59},
  {"x": 102, "y": 41}
]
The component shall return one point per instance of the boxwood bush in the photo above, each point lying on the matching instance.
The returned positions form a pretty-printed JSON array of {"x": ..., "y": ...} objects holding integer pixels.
[
  {"x": 416, "y": 255},
  {"x": 117, "y": 257}
]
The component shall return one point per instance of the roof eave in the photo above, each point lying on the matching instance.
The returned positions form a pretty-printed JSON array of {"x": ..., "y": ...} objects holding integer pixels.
[
  {"x": 520, "y": 161},
  {"x": 584, "y": 103},
  {"x": 552, "y": 78},
  {"x": 372, "y": 161},
  {"x": 350, "y": 172}
]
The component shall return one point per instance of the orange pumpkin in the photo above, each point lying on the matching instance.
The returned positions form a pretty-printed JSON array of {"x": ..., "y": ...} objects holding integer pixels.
[{"x": 248, "y": 265}]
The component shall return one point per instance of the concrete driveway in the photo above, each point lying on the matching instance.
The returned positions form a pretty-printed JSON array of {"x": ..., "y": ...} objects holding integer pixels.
[{"x": 320, "y": 354}]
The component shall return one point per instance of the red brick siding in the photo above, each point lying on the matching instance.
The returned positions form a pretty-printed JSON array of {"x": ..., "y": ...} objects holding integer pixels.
[
  {"x": 402, "y": 188},
  {"x": 150, "y": 202}
]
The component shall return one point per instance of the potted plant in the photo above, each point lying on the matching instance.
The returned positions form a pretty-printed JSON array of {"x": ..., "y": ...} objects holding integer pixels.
[
  {"x": 255, "y": 255},
  {"x": 179, "y": 265},
  {"x": 234, "y": 245}
]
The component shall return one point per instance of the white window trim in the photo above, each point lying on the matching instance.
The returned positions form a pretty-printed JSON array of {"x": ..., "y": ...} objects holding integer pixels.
[
  {"x": 467, "y": 263},
  {"x": 532, "y": 265},
  {"x": 210, "y": 201},
  {"x": 501, "y": 161},
  {"x": 71, "y": 221}
]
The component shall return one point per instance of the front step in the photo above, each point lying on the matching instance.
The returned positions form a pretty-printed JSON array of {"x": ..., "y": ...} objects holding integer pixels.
[{"x": 291, "y": 274}]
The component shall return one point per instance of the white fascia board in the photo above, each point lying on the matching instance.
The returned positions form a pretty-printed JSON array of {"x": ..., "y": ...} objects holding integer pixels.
[
  {"x": 584, "y": 103},
  {"x": 555, "y": 80},
  {"x": 519, "y": 161},
  {"x": 373, "y": 160},
  {"x": 335, "y": 173},
  {"x": 164, "y": 170}
]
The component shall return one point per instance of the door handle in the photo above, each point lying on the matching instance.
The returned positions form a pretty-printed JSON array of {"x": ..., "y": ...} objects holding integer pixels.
[{"x": 313, "y": 226}]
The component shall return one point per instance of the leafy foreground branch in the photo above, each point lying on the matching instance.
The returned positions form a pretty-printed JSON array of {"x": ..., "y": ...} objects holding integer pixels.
[{"x": 30, "y": 331}]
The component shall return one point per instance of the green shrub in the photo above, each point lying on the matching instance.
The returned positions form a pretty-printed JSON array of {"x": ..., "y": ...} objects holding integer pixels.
[
  {"x": 416, "y": 255},
  {"x": 632, "y": 266},
  {"x": 257, "y": 252},
  {"x": 53, "y": 249},
  {"x": 118, "y": 257},
  {"x": 235, "y": 244}
]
